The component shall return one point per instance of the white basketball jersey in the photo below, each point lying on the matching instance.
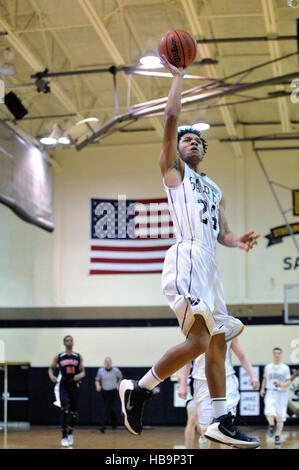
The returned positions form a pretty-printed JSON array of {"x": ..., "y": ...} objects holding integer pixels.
[
  {"x": 198, "y": 371},
  {"x": 276, "y": 373},
  {"x": 194, "y": 208}
]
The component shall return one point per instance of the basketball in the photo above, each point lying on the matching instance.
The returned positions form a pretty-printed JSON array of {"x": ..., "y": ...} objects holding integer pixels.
[{"x": 179, "y": 47}]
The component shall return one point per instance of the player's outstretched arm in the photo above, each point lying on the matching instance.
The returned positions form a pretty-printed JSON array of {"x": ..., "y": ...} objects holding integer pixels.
[
  {"x": 171, "y": 166},
  {"x": 236, "y": 348},
  {"x": 52, "y": 369},
  {"x": 227, "y": 238}
]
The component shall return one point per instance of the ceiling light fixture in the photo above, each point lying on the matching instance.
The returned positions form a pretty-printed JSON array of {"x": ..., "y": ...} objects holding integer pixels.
[
  {"x": 151, "y": 60},
  {"x": 201, "y": 126},
  {"x": 84, "y": 121},
  {"x": 64, "y": 140},
  {"x": 56, "y": 137}
]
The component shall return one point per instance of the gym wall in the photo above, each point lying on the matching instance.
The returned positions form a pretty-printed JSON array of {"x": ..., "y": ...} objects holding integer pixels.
[
  {"x": 136, "y": 346},
  {"x": 41, "y": 269}
]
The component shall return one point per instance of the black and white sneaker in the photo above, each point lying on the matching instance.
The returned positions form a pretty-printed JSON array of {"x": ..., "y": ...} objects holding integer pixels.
[
  {"x": 224, "y": 431},
  {"x": 277, "y": 441},
  {"x": 133, "y": 399}
]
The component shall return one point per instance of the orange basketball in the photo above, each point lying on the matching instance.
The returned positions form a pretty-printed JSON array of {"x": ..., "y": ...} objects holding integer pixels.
[{"x": 179, "y": 47}]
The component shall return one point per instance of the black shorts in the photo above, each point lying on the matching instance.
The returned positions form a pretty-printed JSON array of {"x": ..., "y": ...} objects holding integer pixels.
[{"x": 69, "y": 394}]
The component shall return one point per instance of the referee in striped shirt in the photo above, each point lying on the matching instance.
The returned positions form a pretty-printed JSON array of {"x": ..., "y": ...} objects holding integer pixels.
[{"x": 107, "y": 381}]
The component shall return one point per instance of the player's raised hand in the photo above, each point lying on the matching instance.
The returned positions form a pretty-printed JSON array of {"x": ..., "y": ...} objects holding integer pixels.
[
  {"x": 172, "y": 68},
  {"x": 247, "y": 241}
]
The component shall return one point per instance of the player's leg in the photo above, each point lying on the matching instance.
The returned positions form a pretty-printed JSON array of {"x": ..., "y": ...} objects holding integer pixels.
[
  {"x": 74, "y": 392},
  {"x": 133, "y": 395},
  {"x": 270, "y": 411},
  {"x": 215, "y": 374},
  {"x": 64, "y": 413},
  {"x": 222, "y": 428},
  {"x": 281, "y": 413},
  {"x": 196, "y": 343},
  {"x": 271, "y": 425},
  {"x": 192, "y": 419},
  {"x": 204, "y": 411}
]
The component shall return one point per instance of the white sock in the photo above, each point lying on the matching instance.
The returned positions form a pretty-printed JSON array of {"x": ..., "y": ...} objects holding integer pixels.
[
  {"x": 219, "y": 406},
  {"x": 150, "y": 380}
]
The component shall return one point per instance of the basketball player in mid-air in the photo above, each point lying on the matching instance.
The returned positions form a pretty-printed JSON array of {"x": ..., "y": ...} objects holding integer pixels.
[
  {"x": 190, "y": 278},
  {"x": 277, "y": 379},
  {"x": 72, "y": 371}
]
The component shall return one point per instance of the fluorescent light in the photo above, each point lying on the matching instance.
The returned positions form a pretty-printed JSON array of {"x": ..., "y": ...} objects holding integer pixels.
[
  {"x": 201, "y": 126},
  {"x": 150, "y": 60},
  {"x": 64, "y": 140},
  {"x": 48, "y": 141},
  {"x": 91, "y": 119},
  {"x": 164, "y": 74}
]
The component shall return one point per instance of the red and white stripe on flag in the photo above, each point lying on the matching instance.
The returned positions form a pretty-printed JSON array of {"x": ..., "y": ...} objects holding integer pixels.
[{"x": 129, "y": 236}]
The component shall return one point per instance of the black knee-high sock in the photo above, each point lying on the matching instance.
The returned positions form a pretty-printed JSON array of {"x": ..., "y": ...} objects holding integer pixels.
[{"x": 64, "y": 422}]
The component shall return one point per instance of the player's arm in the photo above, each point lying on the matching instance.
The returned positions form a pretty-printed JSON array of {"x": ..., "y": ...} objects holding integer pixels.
[
  {"x": 284, "y": 384},
  {"x": 171, "y": 166},
  {"x": 227, "y": 238},
  {"x": 263, "y": 386},
  {"x": 183, "y": 374},
  {"x": 81, "y": 374},
  {"x": 238, "y": 351},
  {"x": 52, "y": 369}
]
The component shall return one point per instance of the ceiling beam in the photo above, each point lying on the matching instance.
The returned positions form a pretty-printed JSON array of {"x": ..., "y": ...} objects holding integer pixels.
[
  {"x": 197, "y": 31},
  {"x": 68, "y": 56},
  {"x": 37, "y": 66},
  {"x": 271, "y": 28},
  {"x": 108, "y": 42}
]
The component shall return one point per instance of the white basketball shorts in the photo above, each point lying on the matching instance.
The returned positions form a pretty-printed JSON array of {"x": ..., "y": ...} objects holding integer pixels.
[
  {"x": 276, "y": 404},
  {"x": 192, "y": 284}
]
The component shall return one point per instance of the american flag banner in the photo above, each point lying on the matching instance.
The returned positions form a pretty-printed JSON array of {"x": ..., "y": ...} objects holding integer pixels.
[{"x": 129, "y": 236}]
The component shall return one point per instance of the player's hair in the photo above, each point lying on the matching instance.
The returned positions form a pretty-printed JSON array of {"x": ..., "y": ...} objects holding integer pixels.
[
  {"x": 67, "y": 336},
  {"x": 277, "y": 349},
  {"x": 182, "y": 130}
]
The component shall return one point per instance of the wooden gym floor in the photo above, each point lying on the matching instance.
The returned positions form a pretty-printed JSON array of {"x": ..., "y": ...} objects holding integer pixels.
[{"x": 41, "y": 437}]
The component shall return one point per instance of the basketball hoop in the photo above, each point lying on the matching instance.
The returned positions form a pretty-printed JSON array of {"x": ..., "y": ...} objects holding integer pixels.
[{"x": 293, "y": 3}]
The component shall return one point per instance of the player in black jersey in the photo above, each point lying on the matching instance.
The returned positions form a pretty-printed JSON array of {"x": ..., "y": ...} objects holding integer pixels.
[{"x": 72, "y": 371}]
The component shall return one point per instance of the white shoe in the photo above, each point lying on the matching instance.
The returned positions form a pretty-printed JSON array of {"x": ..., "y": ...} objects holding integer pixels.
[
  {"x": 70, "y": 438},
  {"x": 224, "y": 431},
  {"x": 65, "y": 442}
]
